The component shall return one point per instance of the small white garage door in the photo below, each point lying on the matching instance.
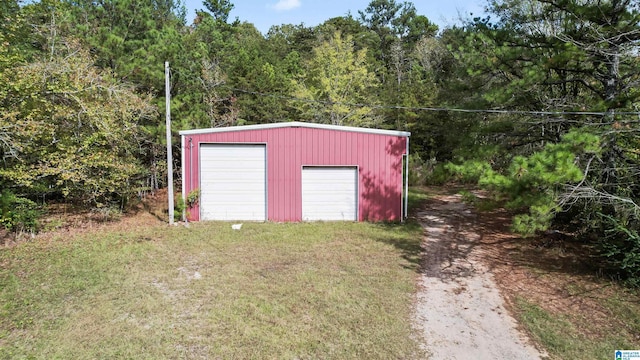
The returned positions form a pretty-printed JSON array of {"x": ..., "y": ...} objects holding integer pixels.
[
  {"x": 329, "y": 193},
  {"x": 233, "y": 182}
]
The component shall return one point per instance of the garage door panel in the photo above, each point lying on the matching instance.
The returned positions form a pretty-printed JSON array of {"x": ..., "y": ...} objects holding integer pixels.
[
  {"x": 320, "y": 175},
  {"x": 233, "y": 182},
  {"x": 232, "y": 177},
  {"x": 246, "y": 199},
  {"x": 330, "y": 216},
  {"x": 231, "y": 197},
  {"x": 329, "y": 197},
  {"x": 223, "y": 188},
  {"x": 247, "y": 152},
  {"x": 223, "y": 213},
  {"x": 237, "y": 164},
  {"x": 329, "y": 193}
]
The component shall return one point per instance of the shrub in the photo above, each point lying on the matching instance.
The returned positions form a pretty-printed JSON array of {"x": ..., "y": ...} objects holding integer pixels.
[
  {"x": 18, "y": 213},
  {"x": 181, "y": 205},
  {"x": 179, "y": 209},
  {"x": 469, "y": 172},
  {"x": 427, "y": 172},
  {"x": 438, "y": 175},
  {"x": 417, "y": 170},
  {"x": 620, "y": 247}
]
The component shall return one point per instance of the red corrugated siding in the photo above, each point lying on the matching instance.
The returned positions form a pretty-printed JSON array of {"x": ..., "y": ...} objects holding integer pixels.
[{"x": 378, "y": 158}]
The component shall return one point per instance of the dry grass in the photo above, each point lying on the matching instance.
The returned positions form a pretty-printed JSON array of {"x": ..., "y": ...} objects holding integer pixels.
[
  {"x": 338, "y": 290},
  {"x": 141, "y": 290}
]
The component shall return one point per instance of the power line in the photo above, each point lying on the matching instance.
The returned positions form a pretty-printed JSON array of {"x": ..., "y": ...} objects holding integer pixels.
[{"x": 437, "y": 109}]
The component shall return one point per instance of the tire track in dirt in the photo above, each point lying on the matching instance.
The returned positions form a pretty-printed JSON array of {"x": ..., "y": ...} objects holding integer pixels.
[{"x": 460, "y": 312}]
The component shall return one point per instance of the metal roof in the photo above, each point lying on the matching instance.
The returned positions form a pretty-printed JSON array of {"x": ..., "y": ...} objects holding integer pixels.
[{"x": 294, "y": 124}]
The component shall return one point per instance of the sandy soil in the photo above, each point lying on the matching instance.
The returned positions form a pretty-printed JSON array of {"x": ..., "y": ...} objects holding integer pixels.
[{"x": 459, "y": 309}]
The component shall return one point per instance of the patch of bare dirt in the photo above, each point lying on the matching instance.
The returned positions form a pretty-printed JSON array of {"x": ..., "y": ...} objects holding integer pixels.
[
  {"x": 62, "y": 221},
  {"x": 460, "y": 310}
]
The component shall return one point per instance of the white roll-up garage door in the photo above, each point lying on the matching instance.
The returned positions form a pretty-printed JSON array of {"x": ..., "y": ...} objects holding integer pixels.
[
  {"x": 329, "y": 193},
  {"x": 233, "y": 182}
]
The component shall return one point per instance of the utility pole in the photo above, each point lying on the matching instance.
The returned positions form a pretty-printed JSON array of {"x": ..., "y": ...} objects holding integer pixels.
[{"x": 167, "y": 86}]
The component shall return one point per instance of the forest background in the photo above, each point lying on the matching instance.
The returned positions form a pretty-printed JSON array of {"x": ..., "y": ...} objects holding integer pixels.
[{"x": 536, "y": 102}]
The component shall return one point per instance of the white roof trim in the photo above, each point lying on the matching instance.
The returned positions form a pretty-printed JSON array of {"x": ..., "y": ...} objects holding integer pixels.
[{"x": 295, "y": 124}]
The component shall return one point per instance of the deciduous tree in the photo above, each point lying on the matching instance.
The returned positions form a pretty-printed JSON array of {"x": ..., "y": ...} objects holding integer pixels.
[
  {"x": 73, "y": 129},
  {"x": 335, "y": 81}
]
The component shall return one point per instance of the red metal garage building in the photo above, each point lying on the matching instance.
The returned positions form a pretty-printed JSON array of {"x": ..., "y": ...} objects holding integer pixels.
[{"x": 296, "y": 172}]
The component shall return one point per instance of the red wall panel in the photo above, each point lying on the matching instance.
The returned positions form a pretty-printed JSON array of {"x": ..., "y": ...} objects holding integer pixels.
[{"x": 377, "y": 156}]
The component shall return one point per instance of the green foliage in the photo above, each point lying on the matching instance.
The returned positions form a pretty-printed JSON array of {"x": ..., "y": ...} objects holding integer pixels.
[
  {"x": 14, "y": 34},
  {"x": 82, "y": 97},
  {"x": 533, "y": 183},
  {"x": 480, "y": 203},
  {"x": 470, "y": 171},
  {"x": 182, "y": 206},
  {"x": 427, "y": 172},
  {"x": 193, "y": 197},
  {"x": 253, "y": 65},
  {"x": 439, "y": 175},
  {"x": 198, "y": 100},
  {"x": 179, "y": 209},
  {"x": 72, "y": 129},
  {"x": 554, "y": 56},
  {"x": 130, "y": 39},
  {"x": 220, "y": 9},
  {"x": 620, "y": 246},
  {"x": 391, "y": 20},
  {"x": 133, "y": 38},
  {"x": 18, "y": 213},
  {"x": 336, "y": 76},
  {"x": 417, "y": 170},
  {"x": 468, "y": 197}
]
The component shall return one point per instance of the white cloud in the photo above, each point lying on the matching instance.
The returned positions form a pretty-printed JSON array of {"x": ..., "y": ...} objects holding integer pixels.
[{"x": 284, "y": 5}]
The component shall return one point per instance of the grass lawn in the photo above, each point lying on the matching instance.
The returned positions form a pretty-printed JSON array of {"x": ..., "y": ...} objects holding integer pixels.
[{"x": 309, "y": 290}]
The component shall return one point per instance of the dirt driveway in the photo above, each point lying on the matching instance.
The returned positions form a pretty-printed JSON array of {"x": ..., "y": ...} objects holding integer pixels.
[{"x": 459, "y": 309}]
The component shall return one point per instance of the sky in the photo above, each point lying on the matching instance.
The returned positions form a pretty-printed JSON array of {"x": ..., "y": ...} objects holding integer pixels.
[{"x": 265, "y": 13}]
